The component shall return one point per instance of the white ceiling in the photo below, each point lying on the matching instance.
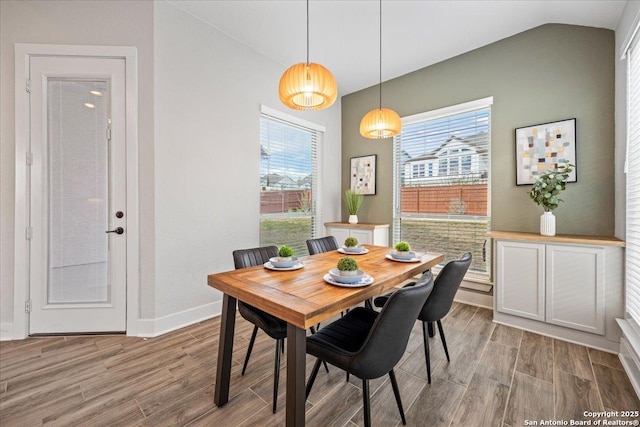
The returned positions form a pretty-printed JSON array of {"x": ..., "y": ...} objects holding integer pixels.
[{"x": 344, "y": 34}]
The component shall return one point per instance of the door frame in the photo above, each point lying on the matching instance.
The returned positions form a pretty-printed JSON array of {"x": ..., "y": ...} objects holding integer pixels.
[{"x": 23, "y": 52}]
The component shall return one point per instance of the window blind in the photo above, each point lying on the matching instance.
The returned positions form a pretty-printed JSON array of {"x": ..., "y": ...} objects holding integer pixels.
[
  {"x": 633, "y": 184},
  {"x": 441, "y": 183},
  {"x": 288, "y": 183}
]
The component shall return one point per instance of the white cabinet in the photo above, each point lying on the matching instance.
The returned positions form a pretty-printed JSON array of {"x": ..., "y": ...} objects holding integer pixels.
[
  {"x": 520, "y": 279},
  {"x": 368, "y": 234},
  {"x": 568, "y": 287},
  {"x": 557, "y": 284}
]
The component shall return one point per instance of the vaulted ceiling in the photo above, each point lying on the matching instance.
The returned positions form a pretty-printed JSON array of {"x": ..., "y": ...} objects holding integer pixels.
[{"x": 344, "y": 34}]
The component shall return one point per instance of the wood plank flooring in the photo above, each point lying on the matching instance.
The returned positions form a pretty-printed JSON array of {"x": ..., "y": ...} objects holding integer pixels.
[{"x": 498, "y": 376}]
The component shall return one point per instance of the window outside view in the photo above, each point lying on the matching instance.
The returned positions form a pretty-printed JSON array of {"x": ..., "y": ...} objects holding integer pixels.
[
  {"x": 441, "y": 172},
  {"x": 287, "y": 184}
]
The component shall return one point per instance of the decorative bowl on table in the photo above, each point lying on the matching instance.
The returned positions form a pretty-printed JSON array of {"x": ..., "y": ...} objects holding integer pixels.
[
  {"x": 283, "y": 264},
  {"x": 403, "y": 255},
  {"x": 341, "y": 277},
  {"x": 353, "y": 249}
]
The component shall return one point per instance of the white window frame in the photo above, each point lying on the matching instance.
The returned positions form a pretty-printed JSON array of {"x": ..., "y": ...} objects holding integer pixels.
[
  {"x": 485, "y": 278},
  {"x": 317, "y": 185}
]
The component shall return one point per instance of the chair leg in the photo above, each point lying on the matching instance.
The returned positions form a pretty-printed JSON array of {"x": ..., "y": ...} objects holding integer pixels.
[
  {"x": 312, "y": 377},
  {"x": 396, "y": 392},
  {"x": 426, "y": 350},
  {"x": 368, "y": 304},
  {"x": 366, "y": 404},
  {"x": 253, "y": 339},
  {"x": 276, "y": 375},
  {"x": 282, "y": 346},
  {"x": 444, "y": 342}
]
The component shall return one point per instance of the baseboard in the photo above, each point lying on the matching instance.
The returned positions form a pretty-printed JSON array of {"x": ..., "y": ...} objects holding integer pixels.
[
  {"x": 6, "y": 331},
  {"x": 479, "y": 299},
  {"x": 154, "y": 327},
  {"x": 630, "y": 353}
]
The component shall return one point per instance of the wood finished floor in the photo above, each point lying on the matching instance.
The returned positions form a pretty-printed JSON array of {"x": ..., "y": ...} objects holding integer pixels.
[{"x": 498, "y": 376}]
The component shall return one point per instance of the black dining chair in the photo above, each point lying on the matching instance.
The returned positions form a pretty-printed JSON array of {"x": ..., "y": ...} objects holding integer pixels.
[
  {"x": 274, "y": 327},
  {"x": 439, "y": 302},
  {"x": 368, "y": 344},
  {"x": 322, "y": 244}
]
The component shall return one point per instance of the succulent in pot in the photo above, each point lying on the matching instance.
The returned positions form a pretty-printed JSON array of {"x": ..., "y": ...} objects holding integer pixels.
[
  {"x": 351, "y": 242},
  {"x": 403, "y": 247},
  {"x": 285, "y": 253},
  {"x": 348, "y": 266},
  {"x": 403, "y": 251}
]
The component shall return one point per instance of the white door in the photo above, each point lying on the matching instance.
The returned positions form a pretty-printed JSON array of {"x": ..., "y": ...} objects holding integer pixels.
[{"x": 77, "y": 195}]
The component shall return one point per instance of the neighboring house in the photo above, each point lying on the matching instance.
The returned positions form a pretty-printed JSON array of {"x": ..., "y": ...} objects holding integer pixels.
[
  {"x": 276, "y": 181},
  {"x": 455, "y": 160}
]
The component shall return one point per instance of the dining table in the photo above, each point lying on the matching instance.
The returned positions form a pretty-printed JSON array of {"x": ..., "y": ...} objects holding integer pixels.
[{"x": 303, "y": 298}]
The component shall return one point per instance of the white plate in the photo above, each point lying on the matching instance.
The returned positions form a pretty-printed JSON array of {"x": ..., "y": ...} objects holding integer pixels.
[
  {"x": 270, "y": 266},
  {"x": 388, "y": 256},
  {"x": 366, "y": 281},
  {"x": 342, "y": 251}
]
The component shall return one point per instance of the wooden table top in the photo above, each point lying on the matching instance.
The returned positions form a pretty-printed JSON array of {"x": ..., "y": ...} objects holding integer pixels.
[{"x": 302, "y": 298}]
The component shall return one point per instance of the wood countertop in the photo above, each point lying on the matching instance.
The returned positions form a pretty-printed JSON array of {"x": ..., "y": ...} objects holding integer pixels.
[{"x": 559, "y": 238}]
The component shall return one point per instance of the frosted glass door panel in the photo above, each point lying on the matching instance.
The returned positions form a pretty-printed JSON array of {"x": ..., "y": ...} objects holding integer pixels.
[{"x": 78, "y": 191}]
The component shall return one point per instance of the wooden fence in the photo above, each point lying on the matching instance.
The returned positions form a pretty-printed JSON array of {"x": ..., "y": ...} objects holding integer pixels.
[
  {"x": 446, "y": 199},
  {"x": 279, "y": 201}
]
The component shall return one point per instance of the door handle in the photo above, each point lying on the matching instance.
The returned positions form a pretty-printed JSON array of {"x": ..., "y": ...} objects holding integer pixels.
[{"x": 118, "y": 230}]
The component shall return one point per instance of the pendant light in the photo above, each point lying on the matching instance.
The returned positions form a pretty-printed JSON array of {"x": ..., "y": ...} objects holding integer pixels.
[
  {"x": 381, "y": 122},
  {"x": 308, "y": 86}
]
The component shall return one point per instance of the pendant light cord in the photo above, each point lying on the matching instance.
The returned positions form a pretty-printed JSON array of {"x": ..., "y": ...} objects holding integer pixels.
[
  {"x": 307, "y": 32},
  {"x": 380, "y": 92}
]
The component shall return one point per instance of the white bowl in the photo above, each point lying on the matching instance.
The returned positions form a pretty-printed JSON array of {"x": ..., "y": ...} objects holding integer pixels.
[
  {"x": 335, "y": 275},
  {"x": 283, "y": 264},
  {"x": 403, "y": 255},
  {"x": 353, "y": 249}
]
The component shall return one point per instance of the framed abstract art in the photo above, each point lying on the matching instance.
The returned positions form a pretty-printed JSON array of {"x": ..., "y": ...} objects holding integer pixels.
[
  {"x": 363, "y": 174},
  {"x": 540, "y": 148}
]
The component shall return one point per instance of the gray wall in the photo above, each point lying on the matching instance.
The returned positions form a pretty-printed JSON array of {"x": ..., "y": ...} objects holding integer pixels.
[{"x": 549, "y": 73}]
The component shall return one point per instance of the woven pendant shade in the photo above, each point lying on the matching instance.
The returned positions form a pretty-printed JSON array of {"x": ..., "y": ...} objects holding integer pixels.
[
  {"x": 308, "y": 87},
  {"x": 380, "y": 123}
]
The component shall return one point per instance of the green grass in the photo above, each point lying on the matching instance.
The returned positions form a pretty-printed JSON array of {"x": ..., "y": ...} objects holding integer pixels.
[
  {"x": 292, "y": 232},
  {"x": 450, "y": 237}
]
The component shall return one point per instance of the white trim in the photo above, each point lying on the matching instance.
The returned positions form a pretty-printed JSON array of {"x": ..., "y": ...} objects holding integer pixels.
[
  {"x": 630, "y": 352},
  {"x": 292, "y": 119},
  {"x": 448, "y": 111},
  {"x": 626, "y": 44},
  {"x": 21, "y": 249},
  {"x": 162, "y": 325},
  {"x": 478, "y": 299},
  {"x": 6, "y": 331}
]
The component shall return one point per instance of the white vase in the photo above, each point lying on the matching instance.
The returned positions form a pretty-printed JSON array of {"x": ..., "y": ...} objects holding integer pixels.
[
  {"x": 548, "y": 224},
  {"x": 353, "y": 219}
]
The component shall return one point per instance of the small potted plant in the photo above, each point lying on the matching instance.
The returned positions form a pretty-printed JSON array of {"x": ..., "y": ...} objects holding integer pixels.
[
  {"x": 351, "y": 242},
  {"x": 351, "y": 245},
  {"x": 403, "y": 251},
  {"x": 545, "y": 193},
  {"x": 353, "y": 200},
  {"x": 348, "y": 266},
  {"x": 285, "y": 253}
]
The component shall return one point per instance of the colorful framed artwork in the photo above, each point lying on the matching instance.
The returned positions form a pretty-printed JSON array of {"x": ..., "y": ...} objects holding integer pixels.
[
  {"x": 363, "y": 174},
  {"x": 542, "y": 147}
]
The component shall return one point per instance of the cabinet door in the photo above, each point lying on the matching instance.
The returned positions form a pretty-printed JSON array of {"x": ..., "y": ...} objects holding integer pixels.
[
  {"x": 520, "y": 279},
  {"x": 339, "y": 233},
  {"x": 364, "y": 237},
  {"x": 575, "y": 287}
]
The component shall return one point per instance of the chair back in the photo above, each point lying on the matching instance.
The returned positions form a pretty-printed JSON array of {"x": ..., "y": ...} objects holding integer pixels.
[
  {"x": 445, "y": 287},
  {"x": 243, "y": 258},
  {"x": 322, "y": 244},
  {"x": 389, "y": 335}
]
